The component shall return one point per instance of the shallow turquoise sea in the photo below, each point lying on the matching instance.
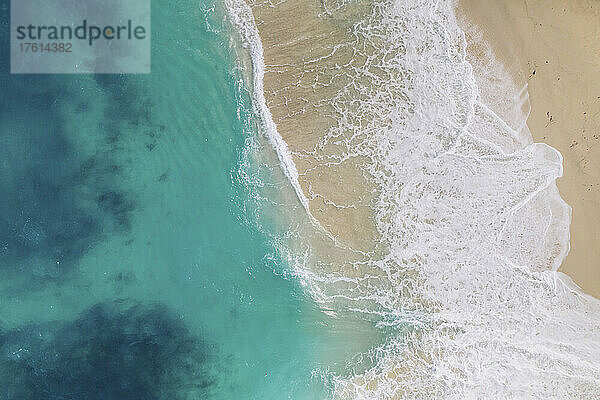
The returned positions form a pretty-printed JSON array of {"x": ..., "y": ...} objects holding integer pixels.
[{"x": 129, "y": 266}]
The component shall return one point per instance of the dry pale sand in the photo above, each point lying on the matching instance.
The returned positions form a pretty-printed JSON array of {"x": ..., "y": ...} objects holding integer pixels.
[{"x": 554, "y": 46}]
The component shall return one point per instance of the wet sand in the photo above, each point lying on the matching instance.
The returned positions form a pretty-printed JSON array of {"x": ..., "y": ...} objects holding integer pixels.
[
  {"x": 307, "y": 53},
  {"x": 554, "y": 47},
  {"x": 311, "y": 58},
  {"x": 550, "y": 46}
]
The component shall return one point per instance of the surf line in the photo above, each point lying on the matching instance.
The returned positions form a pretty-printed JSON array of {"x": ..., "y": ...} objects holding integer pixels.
[{"x": 243, "y": 19}]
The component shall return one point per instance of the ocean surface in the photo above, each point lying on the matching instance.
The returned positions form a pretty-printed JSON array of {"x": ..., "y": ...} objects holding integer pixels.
[
  {"x": 155, "y": 242},
  {"x": 133, "y": 264}
]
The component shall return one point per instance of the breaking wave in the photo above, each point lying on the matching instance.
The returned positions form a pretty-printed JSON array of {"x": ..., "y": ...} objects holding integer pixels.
[{"x": 467, "y": 205}]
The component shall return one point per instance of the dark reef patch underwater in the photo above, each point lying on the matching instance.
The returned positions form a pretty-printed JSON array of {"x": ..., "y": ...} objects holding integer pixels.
[
  {"x": 113, "y": 351},
  {"x": 60, "y": 142},
  {"x": 62, "y": 196}
]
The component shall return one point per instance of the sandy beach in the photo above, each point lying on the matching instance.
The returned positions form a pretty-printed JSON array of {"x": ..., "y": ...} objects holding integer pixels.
[
  {"x": 550, "y": 47},
  {"x": 306, "y": 52},
  {"x": 445, "y": 215},
  {"x": 553, "y": 47}
]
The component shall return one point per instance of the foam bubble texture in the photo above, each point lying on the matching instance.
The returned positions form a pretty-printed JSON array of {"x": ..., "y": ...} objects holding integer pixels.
[{"x": 472, "y": 218}]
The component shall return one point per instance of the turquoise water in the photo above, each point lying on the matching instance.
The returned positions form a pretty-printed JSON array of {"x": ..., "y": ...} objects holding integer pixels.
[{"x": 129, "y": 266}]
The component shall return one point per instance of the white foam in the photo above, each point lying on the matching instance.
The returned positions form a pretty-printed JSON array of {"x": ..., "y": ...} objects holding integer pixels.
[
  {"x": 470, "y": 211},
  {"x": 243, "y": 20}
]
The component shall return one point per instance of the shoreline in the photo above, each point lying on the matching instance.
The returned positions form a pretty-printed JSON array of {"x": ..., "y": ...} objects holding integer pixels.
[
  {"x": 300, "y": 77},
  {"x": 333, "y": 238},
  {"x": 549, "y": 47},
  {"x": 456, "y": 175}
]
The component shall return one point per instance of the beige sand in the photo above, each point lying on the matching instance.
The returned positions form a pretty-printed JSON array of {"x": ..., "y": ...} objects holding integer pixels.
[
  {"x": 303, "y": 51},
  {"x": 306, "y": 52},
  {"x": 551, "y": 45},
  {"x": 554, "y": 46}
]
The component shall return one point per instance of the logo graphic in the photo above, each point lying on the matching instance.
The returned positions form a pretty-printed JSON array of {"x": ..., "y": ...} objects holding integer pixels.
[{"x": 80, "y": 36}]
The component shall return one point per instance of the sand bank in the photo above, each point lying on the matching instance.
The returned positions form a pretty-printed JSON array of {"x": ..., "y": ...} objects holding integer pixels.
[
  {"x": 554, "y": 47},
  {"x": 306, "y": 53},
  {"x": 392, "y": 96}
]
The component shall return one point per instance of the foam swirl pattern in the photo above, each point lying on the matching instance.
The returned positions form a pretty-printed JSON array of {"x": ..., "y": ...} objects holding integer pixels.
[{"x": 473, "y": 224}]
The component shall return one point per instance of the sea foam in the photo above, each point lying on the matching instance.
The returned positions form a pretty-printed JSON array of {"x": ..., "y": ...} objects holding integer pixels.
[
  {"x": 243, "y": 20},
  {"x": 468, "y": 207}
]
